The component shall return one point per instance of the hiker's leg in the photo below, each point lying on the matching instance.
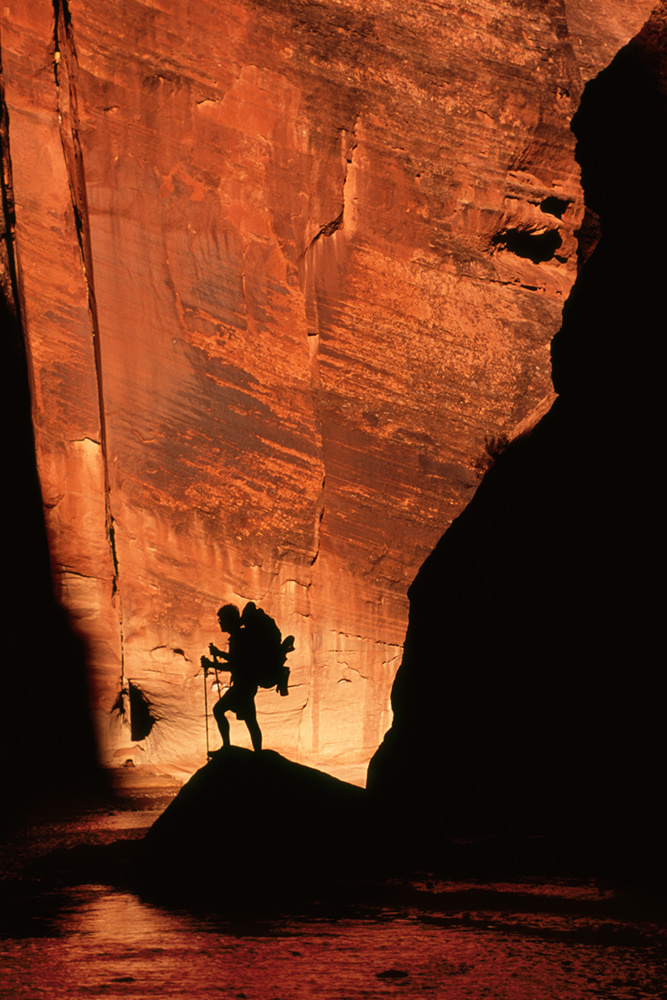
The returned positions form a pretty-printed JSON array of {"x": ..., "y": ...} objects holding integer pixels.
[
  {"x": 221, "y": 719},
  {"x": 255, "y": 733},
  {"x": 253, "y": 728}
]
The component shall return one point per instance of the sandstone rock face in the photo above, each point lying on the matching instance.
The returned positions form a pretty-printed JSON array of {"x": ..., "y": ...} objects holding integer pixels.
[{"x": 283, "y": 268}]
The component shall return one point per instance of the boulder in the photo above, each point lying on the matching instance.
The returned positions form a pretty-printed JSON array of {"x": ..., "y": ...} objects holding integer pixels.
[{"x": 253, "y": 824}]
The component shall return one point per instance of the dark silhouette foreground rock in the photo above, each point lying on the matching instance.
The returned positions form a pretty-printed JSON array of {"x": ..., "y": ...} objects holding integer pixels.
[
  {"x": 253, "y": 824},
  {"x": 528, "y": 698}
]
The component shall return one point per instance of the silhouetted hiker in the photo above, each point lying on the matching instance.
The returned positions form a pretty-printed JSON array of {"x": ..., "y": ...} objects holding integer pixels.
[{"x": 255, "y": 658}]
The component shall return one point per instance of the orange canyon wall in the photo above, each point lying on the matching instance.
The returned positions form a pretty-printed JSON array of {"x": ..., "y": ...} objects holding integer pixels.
[{"x": 284, "y": 267}]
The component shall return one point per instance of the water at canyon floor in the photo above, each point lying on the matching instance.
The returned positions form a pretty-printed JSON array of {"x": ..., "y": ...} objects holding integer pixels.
[{"x": 420, "y": 935}]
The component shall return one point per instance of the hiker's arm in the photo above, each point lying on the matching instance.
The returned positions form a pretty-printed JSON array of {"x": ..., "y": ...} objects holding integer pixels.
[{"x": 215, "y": 652}]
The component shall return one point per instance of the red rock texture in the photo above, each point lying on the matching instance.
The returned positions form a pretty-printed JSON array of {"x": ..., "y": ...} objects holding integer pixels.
[{"x": 284, "y": 268}]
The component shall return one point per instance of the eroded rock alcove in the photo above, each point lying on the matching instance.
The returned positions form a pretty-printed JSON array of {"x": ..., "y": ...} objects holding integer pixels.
[{"x": 283, "y": 270}]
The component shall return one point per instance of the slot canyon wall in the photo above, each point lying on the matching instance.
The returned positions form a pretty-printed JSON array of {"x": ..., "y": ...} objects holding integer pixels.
[
  {"x": 530, "y": 696},
  {"x": 282, "y": 270}
]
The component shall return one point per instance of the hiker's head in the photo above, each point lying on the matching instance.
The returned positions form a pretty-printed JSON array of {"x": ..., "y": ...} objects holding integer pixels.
[{"x": 229, "y": 617}]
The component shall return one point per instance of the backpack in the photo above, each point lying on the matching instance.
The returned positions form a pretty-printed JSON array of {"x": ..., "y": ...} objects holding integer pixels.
[{"x": 267, "y": 651}]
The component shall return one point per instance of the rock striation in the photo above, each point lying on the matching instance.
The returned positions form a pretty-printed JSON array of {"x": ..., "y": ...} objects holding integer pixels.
[{"x": 283, "y": 269}]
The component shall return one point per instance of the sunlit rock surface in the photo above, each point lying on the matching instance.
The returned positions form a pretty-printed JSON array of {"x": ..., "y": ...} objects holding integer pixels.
[{"x": 283, "y": 269}]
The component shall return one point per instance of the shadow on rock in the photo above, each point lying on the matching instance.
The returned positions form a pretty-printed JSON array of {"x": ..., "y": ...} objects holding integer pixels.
[
  {"x": 528, "y": 699},
  {"x": 255, "y": 825}
]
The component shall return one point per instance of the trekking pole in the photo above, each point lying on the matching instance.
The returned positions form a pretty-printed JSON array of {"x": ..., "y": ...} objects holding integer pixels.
[{"x": 206, "y": 709}]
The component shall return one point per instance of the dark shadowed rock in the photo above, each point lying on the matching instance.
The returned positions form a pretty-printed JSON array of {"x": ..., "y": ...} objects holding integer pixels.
[
  {"x": 528, "y": 697},
  {"x": 255, "y": 823}
]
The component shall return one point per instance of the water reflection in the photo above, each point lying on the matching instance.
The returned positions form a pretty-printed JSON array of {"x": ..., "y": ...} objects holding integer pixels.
[{"x": 449, "y": 940}]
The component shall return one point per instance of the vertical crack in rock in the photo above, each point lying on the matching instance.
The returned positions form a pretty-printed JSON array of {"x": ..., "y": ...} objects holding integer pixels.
[
  {"x": 308, "y": 263},
  {"x": 315, "y": 388},
  {"x": 348, "y": 162},
  {"x": 319, "y": 515},
  {"x": 8, "y": 270},
  {"x": 328, "y": 229},
  {"x": 312, "y": 267},
  {"x": 348, "y": 144},
  {"x": 65, "y": 65},
  {"x": 313, "y": 348}
]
